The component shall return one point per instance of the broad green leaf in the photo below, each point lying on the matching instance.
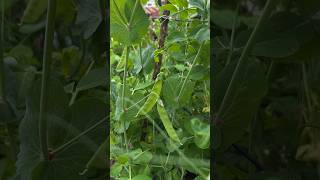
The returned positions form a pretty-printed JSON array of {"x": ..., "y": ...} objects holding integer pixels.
[
  {"x": 88, "y": 17},
  {"x": 23, "y": 54},
  {"x": 169, "y": 7},
  {"x": 29, "y": 155},
  {"x": 120, "y": 15},
  {"x": 133, "y": 102},
  {"x": 70, "y": 59},
  {"x": 276, "y": 48},
  {"x": 224, "y": 18},
  {"x": 26, "y": 83},
  {"x": 175, "y": 36},
  {"x": 32, "y": 28},
  {"x": 141, "y": 177},
  {"x": 308, "y": 8},
  {"x": 201, "y": 132},
  {"x": 116, "y": 169},
  {"x": 179, "y": 3},
  {"x": 143, "y": 158},
  {"x": 66, "y": 11},
  {"x": 200, "y": 4},
  {"x": 199, "y": 72},
  {"x": 147, "y": 59},
  {"x": 7, "y": 4},
  {"x": 96, "y": 77},
  {"x": 250, "y": 88},
  {"x": 171, "y": 89},
  {"x": 203, "y": 34},
  {"x": 34, "y": 10},
  {"x": 63, "y": 124},
  {"x": 143, "y": 85},
  {"x": 122, "y": 159},
  {"x": 99, "y": 159},
  {"x": 308, "y": 51},
  {"x": 166, "y": 122}
]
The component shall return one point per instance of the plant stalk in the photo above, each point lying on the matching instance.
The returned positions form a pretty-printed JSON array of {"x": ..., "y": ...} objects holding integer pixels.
[
  {"x": 307, "y": 91},
  {"x": 164, "y": 21},
  {"x": 2, "y": 94},
  {"x": 123, "y": 101},
  {"x": 48, "y": 46},
  {"x": 70, "y": 142},
  {"x": 133, "y": 12},
  {"x": 245, "y": 53},
  {"x": 188, "y": 74},
  {"x": 231, "y": 45},
  {"x": 119, "y": 13}
]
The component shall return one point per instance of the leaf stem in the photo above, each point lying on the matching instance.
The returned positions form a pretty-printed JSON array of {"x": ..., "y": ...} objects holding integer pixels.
[
  {"x": 123, "y": 102},
  {"x": 133, "y": 12},
  {"x": 245, "y": 53},
  {"x": 70, "y": 142},
  {"x": 119, "y": 13},
  {"x": 2, "y": 95},
  {"x": 123, "y": 95},
  {"x": 231, "y": 45},
  {"x": 270, "y": 69},
  {"x": 48, "y": 46},
  {"x": 140, "y": 55},
  {"x": 188, "y": 74},
  {"x": 306, "y": 89},
  {"x": 3, "y": 102}
]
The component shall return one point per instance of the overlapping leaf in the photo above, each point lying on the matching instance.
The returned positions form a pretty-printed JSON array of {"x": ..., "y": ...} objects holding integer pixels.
[
  {"x": 235, "y": 117},
  {"x": 63, "y": 124},
  {"x": 121, "y": 30}
]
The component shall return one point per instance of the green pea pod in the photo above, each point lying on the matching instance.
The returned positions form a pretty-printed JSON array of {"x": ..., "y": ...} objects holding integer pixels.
[
  {"x": 152, "y": 99},
  {"x": 34, "y": 10},
  {"x": 166, "y": 122}
]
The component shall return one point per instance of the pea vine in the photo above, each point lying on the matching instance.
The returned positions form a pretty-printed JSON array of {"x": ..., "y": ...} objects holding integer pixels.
[{"x": 154, "y": 87}]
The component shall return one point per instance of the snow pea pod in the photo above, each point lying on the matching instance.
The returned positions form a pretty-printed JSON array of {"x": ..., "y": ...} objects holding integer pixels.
[
  {"x": 152, "y": 99},
  {"x": 166, "y": 122}
]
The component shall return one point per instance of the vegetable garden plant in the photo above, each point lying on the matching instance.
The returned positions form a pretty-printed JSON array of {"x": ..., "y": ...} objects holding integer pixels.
[
  {"x": 266, "y": 89},
  {"x": 53, "y": 89},
  {"x": 160, "y": 90}
]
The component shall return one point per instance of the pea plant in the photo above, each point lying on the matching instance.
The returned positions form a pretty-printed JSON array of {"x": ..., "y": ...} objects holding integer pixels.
[
  {"x": 160, "y": 90},
  {"x": 53, "y": 90},
  {"x": 266, "y": 89}
]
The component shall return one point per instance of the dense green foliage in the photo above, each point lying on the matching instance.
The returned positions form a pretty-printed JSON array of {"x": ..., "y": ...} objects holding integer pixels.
[
  {"x": 160, "y": 126},
  {"x": 266, "y": 89},
  {"x": 53, "y": 65}
]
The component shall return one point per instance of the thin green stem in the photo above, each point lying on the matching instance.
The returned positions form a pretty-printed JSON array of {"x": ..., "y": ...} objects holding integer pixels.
[
  {"x": 140, "y": 55},
  {"x": 73, "y": 97},
  {"x": 133, "y": 12},
  {"x": 119, "y": 13},
  {"x": 48, "y": 46},
  {"x": 76, "y": 138},
  {"x": 3, "y": 102},
  {"x": 84, "y": 44},
  {"x": 245, "y": 53},
  {"x": 233, "y": 36},
  {"x": 269, "y": 70},
  {"x": 306, "y": 89},
  {"x": 123, "y": 101},
  {"x": 188, "y": 74},
  {"x": 2, "y": 96},
  {"x": 186, "y": 160},
  {"x": 124, "y": 78},
  {"x": 75, "y": 91}
]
